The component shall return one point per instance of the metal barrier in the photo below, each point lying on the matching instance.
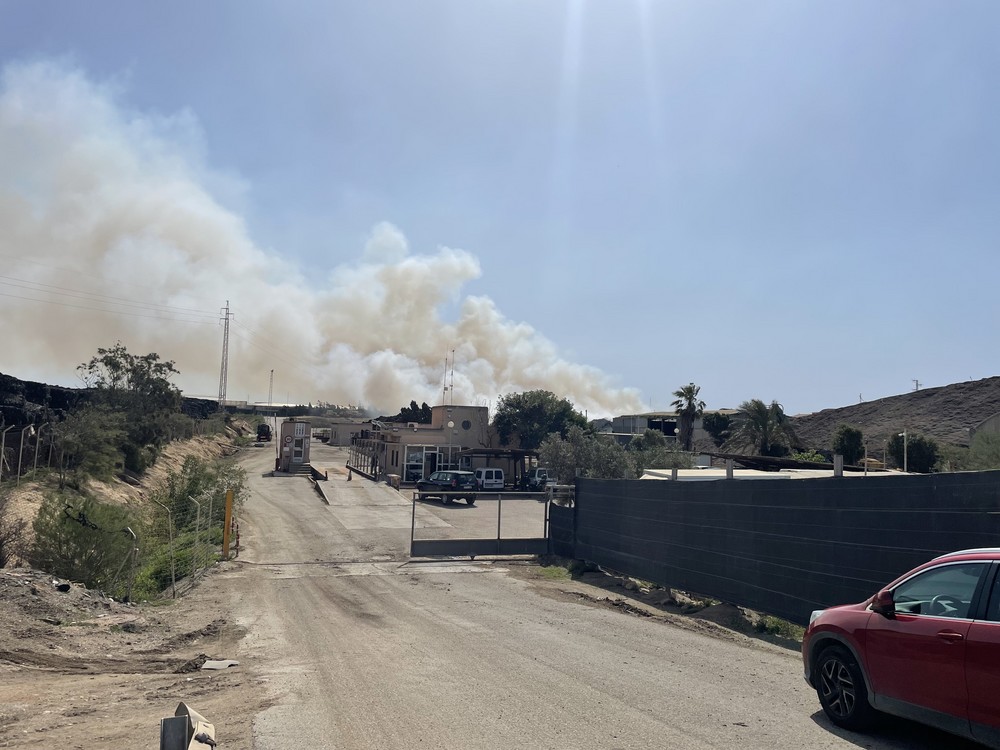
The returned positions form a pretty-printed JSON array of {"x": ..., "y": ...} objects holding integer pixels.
[{"x": 474, "y": 547}]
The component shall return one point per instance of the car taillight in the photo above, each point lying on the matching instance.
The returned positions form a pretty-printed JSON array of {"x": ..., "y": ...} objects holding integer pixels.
[{"x": 454, "y": 483}]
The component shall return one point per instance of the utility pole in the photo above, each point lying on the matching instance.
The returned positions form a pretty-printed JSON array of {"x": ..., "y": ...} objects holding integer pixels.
[
  {"x": 916, "y": 384},
  {"x": 224, "y": 376},
  {"x": 270, "y": 389}
]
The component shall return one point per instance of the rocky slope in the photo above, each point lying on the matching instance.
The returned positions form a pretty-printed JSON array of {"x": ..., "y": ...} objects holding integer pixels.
[{"x": 944, "y": 414}]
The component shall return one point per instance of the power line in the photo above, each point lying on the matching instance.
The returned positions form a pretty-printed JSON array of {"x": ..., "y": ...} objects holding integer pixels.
[
  {"x": 98, "y": 297},
  {"x": 103, "y": 309},
  {"x": 19, "y": 259}
]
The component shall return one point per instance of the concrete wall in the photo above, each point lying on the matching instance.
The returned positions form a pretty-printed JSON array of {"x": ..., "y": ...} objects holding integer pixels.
[{"x": 780, "y": 547}]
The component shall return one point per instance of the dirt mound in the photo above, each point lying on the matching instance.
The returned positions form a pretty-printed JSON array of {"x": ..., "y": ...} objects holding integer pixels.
[
  {"x": 73, "y": 658},
  {"x": 47, "y": 623},
  {"x": 944, "y": 414}
]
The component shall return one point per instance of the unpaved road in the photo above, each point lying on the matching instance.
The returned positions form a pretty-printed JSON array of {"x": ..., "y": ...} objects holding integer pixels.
[{"x": 356, "y": 647}]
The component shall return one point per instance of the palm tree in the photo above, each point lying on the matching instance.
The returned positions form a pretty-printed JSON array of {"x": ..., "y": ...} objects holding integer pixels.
[
  {"x": 764, "y": 428},
  {"x": 689, "y": 407}
]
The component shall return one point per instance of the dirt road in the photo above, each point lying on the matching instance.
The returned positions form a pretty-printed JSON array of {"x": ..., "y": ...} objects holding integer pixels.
[{"x": 382, "y": 653}]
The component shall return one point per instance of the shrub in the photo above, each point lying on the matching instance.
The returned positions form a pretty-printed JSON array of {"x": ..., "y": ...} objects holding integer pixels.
[
  {"x": 83, "y": 540},
  {"x": 11, "y": 530}
]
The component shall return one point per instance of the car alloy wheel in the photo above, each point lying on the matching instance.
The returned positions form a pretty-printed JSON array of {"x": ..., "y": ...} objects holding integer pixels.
[{"x": 841, "y": 689}]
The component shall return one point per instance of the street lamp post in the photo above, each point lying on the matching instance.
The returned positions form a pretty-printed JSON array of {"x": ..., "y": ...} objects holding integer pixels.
[{"x": 905, "y": 440}]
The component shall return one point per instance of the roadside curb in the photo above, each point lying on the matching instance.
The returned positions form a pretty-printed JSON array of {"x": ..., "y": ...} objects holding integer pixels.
[{"x": 319, "y": 489}]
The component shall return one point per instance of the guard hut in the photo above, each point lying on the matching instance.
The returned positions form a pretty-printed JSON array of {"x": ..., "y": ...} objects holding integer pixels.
[{"x": 293, "y": 450}]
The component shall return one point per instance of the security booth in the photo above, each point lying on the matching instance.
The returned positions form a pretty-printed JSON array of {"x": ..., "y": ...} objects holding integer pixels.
[{"x": 293, "y": 444}]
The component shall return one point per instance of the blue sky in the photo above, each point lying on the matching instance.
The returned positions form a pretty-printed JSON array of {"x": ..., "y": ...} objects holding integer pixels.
[{"x": 791, "y": 201}]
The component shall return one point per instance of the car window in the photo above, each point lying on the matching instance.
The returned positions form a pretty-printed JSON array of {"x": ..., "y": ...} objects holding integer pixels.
[{"x": 946, "y": 591}]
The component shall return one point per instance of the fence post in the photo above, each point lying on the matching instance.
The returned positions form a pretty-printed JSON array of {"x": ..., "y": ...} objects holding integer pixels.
[
  {"x": 173, "y": 559},
  {"x": 38, "y": 439},
  {"x": 197, "y": 539},
  {"x": 228, "y": 521},
  {"x": 20, "y": 453},
  {"x": 3, "y": 451},
  {"x": 135, "y": 559}
]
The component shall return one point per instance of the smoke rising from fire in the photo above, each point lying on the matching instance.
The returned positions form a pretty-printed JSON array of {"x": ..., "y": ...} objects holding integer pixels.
[{"x": 111, "y": 228}]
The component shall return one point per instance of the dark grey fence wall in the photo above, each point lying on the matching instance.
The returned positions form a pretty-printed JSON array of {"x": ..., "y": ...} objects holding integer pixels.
[
  {"x": 561, "y": 531},
  {"x": 780, "y": 546}
]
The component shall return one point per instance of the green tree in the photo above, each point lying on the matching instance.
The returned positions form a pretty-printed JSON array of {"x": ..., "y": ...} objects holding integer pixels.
[
  {"x": 984, "y": 452},
  {"x": 849, "y": 442},
  {"x": 89, "y": 441},
  {"x": 650, "y": 450},
  {"x": 717, "y": 425},
  {"x": 131, "y": 383},
  {"x": 196, "y": 479},
  {"x": 532, "y": 416},
  {"x": 138, "y": 387},
  {"x": 582, "y": 453},
  {"x": 648, "y": 440},
  {"x": 763, "y": 428},
  {"x": 917, "y": 453},
  {"x": 689, "y": 407}
]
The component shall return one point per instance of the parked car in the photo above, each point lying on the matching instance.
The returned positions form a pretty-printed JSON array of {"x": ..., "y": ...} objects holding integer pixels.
[
  {"x": 926, "y": 647},
  {"x": 451, "y": 482},
  {"x": 490, "y": 479},
  {"x": 535, "y": 480}
]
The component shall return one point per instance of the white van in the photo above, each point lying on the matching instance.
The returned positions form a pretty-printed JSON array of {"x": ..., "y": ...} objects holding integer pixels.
[{"x": 490, "y": 479}]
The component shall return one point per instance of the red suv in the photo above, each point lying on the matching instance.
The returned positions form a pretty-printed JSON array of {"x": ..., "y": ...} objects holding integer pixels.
[{"x": 926, "y": 647}]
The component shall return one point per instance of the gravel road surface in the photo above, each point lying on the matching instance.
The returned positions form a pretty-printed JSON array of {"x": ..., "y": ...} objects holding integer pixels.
[{"x": 358, "y": 647}]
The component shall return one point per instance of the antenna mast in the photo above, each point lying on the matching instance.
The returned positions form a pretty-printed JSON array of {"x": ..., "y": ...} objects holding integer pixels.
[
  {"x": 444, "y": 384},
  {"x": 452, "y": 389},
  {"x": 224, "y": 376}
]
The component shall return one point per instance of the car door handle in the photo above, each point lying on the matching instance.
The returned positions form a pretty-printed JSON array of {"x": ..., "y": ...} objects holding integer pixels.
[{"x": 950, "y": 635}]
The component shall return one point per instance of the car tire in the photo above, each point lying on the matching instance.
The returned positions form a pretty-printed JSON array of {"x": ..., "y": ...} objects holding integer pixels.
[
  {"x": 840, "y": 685},
  {"x": 470, "y": 500}
]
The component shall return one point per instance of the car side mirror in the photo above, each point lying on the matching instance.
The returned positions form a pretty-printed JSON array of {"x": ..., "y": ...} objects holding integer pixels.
[{"x": 883, "y": 604}]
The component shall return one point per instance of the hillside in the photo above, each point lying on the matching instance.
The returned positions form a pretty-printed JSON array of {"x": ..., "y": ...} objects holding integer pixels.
[{"x": 945, "y": 414}]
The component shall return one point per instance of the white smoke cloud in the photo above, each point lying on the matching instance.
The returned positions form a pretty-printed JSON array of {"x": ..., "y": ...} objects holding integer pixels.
[{"x": 102, "y": 208}]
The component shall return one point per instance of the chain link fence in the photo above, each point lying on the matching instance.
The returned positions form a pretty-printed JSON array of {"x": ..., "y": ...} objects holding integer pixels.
[
  {"x": 142, "y": 549},
  {"x": 194, "y": 532}
]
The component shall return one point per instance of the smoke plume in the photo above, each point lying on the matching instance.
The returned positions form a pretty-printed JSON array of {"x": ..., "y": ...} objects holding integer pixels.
[{"x": 111, "y": 229}]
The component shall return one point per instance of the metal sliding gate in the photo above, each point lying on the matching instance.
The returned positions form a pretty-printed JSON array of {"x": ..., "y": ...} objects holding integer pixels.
[{"x": 453, "y": 541}]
